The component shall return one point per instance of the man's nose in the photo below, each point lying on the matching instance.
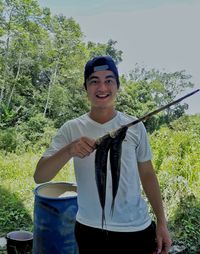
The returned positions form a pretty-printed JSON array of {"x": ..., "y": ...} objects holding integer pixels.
[{"x": 102, "y": 85}]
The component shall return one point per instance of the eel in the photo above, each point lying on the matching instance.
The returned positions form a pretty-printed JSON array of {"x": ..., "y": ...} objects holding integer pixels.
[
  {"x": 101, "y": 158},
  {"x": 115, "y": 161}
]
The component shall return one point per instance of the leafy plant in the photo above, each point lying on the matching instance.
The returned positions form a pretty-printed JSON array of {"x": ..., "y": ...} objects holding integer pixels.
[
  {"x": 17, "y": 189},
  {"x": 185, "y": 224}
]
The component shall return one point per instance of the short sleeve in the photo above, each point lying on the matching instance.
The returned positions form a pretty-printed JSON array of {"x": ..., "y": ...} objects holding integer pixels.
[
  {"x": 143, "y": 150},
  {"x": 61, "y": 139}
]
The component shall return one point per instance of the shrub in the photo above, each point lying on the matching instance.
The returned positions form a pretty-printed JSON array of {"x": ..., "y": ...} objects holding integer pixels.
[{"x": 8, "y": 139}]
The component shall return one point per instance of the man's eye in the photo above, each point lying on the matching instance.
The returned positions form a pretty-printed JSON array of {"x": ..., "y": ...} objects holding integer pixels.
[
  {"x": 93, "y": 82},
  {"x": 109, "y": 81}
]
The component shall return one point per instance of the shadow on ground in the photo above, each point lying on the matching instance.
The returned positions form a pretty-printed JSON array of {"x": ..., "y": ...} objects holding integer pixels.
[{"x": 13, "y": 214}]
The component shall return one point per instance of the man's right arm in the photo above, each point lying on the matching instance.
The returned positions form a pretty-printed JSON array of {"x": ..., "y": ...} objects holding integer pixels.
[{"x": 48, "y": 167}]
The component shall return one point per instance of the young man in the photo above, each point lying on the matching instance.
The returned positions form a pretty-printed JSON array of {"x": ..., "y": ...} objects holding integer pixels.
[{"x": 129, "y": 229}]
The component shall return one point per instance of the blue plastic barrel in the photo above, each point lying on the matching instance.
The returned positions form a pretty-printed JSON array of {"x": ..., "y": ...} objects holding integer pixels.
[{"x": 55, "y": 209}]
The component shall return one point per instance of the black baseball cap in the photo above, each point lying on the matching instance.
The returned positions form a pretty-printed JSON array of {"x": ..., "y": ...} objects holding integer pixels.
[{"x": 100, "y": 63}]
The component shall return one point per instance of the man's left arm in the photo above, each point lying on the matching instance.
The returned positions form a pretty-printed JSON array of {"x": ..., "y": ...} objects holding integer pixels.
[{"x": 152, "y": 190}]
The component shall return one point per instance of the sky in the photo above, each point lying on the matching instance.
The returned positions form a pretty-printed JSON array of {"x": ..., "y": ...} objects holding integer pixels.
[{"x": 159, "y": 34}]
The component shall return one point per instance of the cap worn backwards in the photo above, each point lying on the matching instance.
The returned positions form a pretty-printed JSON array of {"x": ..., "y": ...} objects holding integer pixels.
[{"x": 100, "y": 63}]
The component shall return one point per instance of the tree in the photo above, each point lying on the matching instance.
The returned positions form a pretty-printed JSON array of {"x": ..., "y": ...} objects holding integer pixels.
[
  {"x": 41, "y": 70},
  {"x": 145, "y": 90},
  {"x": 99, "y": 49},
  {"x": 23, "y": 29}
]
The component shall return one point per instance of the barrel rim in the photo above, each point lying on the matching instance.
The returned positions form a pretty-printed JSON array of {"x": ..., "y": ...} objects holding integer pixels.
[
  {"x": 54, "y": 198},
  {"x": 28, "y": 233}
]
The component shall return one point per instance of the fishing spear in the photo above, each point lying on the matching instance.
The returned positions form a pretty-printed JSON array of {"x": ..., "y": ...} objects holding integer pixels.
[{"x": 145, "y": 117}]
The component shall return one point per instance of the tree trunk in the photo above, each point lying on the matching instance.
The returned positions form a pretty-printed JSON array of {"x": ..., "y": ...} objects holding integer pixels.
[
  {"x": 51, "y": 83},
  {"x": 15, "y": 80}
]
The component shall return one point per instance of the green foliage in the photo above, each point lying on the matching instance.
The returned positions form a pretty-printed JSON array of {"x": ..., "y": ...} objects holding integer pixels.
[
  {"x": 99, "y": 49},
  {"x": 176, "y": 160},
  {"x": 177, "y": 163},
  {"x": 178, "y": 152},
  {"x": 41, "y": 65},
  {"x": 14, "y": 216},
  {"x": 41, "y": 71},
  {"x": 67, "y": 105},
  {"x": 185, "y": 224},
  {"x": 17, "y": 189},
  {"x": 8, "y": 139},
  {"x": 146, "y": 90},
  {"x": 9, "y": 117},
  {"x": 35, "y": 133},
  {"x": 33, "y": 130},
  {"x": 42, "y": 59},
  {"x": 135, "y": 98}
]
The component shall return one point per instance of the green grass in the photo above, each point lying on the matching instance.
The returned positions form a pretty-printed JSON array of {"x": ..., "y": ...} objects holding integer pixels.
[
  {"x": 177, "y": 163},
  {"x": 176, "y": 158},
  {"x": 17, "y": 190}
]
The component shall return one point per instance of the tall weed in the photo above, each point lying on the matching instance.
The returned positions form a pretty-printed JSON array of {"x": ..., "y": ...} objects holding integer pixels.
[
  {"x": 176, "y": 153},
  {"x": 17, "y": 189},
  {"x": 176, "y": 159}
]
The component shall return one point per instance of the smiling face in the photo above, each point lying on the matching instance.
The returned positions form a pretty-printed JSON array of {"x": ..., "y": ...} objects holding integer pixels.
[{"x": 102, "y": 89}]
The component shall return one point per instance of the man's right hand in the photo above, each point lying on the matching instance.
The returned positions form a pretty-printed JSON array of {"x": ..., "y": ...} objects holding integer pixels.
[{"x": 82, "y": 147}]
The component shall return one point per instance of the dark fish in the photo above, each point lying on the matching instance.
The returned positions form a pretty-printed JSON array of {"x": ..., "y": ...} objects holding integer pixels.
[
  {"x": 103, "y": 145},
  {"x": 115, "y": 161},
  {"x": 101, "y": 157}
]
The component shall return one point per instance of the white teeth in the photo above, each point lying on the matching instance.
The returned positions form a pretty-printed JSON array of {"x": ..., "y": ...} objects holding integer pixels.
[{"x": 102, "y": 95}]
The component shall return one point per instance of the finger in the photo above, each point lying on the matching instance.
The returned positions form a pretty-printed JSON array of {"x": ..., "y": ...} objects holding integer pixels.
[
  {"x": 85, "y": 149},
  {"x": 165, "y": 249},
  {"x": 88, "y": 149},
  {"x": 81, "y": 155},
  {"x": 159, "y": 246},
  {"x": 89, "y": 142}
]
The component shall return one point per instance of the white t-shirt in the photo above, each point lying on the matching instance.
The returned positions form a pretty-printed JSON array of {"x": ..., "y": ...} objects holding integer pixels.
[{"x": 130, "y": 210}]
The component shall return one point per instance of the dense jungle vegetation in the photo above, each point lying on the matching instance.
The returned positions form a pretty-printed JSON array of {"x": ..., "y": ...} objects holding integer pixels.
[{"x": 42, "y": 59}]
